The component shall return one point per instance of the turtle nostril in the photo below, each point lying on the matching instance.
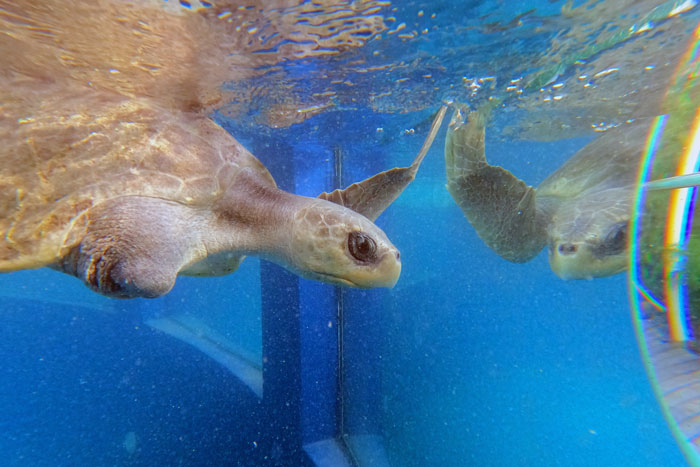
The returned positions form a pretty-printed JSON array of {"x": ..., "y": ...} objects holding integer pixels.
[
  {"x": 398, "y": 256},
  {"x": 567, "y": 248}
]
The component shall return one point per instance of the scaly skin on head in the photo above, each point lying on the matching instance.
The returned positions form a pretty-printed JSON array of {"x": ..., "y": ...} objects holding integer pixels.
[
  {"x": 333, "y": 244},
  {"x": 314, "y": 238}
]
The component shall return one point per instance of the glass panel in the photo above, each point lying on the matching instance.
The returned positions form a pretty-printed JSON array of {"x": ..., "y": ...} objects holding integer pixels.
[
  {"x": 469, "y": 350},
  {"x": 474, "y": 350}
]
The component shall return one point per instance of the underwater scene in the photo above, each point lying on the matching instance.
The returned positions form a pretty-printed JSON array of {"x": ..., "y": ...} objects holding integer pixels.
[{"x": 349, "y": 233}]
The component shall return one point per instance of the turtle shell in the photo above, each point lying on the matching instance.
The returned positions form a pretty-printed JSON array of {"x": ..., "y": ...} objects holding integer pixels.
[
  {"x": 69, "y": 152},
  {"x": 605, "y": 162}
]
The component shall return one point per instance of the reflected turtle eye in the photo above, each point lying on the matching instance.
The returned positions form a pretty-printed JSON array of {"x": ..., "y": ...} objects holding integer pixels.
[
  {"x": 362, "y": 247},
  {"x": 616, "y": 239}
]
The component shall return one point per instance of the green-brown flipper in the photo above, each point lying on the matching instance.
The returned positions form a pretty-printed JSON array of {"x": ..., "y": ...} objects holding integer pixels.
[
  {"x": 372, "y": 196},
  {"x": 500, "y": 206}
]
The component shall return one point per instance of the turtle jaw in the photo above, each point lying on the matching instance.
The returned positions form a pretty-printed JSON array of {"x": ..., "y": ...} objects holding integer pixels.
[
  {"x": 582, "y": 263},
  {"x": 384, "y": 274}
]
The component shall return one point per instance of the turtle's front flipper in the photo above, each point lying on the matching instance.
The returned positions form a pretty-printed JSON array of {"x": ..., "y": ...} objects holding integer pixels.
[
  {"x": 133, "y": 246},
  {"x": 372, "y": 196},
  {"x": 500, "y": 206}
]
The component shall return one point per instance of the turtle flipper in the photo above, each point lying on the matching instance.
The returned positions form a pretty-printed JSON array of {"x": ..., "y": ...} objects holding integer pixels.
[
  {"x": 372, "y": 196},
  {"x": 670, "y": 183},
  {"x": 501, "y": 207},
  {"x": 132, "y": 247}
]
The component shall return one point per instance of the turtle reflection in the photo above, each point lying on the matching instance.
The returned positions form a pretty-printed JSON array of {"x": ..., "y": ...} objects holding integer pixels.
[{"x": 581, "y": 211}]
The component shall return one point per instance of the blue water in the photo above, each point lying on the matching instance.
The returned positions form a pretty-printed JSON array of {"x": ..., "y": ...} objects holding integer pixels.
[
  {"x": 510, "y": 365},
  {"x": 469, "y": 360},
  {"x": 473, "y": 360}
]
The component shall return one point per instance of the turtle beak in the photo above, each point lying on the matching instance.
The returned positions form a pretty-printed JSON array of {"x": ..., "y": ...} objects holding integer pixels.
[
  {"x": 574, "y": 261},
  {"x": 384, "y": 273},
  {"x": 388, "y": 270},
  {"x": 568, "y": 261}
]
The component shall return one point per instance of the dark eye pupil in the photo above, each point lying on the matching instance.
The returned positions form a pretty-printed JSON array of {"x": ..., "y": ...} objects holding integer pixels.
[
  {"x": 362, "y": 246},
  {"x": 620, "y": 237},
  {"x": 616, "y": 240}
]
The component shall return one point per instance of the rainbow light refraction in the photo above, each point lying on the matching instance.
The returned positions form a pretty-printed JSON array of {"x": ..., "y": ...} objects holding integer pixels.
[
  {"x": 679, "y": 214},
  {"x": 639, "y": 293},
  {"x": 644, "y": 171},
  {"x": 690, "y": 59},
  {"x": 676, "y": 238}
]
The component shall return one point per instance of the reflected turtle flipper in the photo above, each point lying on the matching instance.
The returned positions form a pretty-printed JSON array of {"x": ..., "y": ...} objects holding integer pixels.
[
  {"x": 500, "y": 206},
  {"x": 372, "y": 196},
  {"x": 670, "y": 183},
  {"x": 198, "y": 334}
]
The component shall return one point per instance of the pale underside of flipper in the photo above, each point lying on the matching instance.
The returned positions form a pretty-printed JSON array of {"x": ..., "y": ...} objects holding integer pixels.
[
  {"x": 372, "y": 196},
  {"x": 501, "y": 207},
  {"x": 194, "y": 332}
]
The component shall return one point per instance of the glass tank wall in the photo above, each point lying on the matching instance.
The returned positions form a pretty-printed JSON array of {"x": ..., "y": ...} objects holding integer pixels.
[{"x": 477, "y": 361}]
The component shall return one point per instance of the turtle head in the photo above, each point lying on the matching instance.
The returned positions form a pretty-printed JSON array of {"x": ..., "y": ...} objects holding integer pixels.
[
  {"x": 334, "y": 244},
  {"x": 590, "y": 243}
]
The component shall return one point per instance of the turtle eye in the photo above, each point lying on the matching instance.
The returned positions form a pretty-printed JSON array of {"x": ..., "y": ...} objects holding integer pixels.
[
  {"x": 616, "y": 239},
  {"x": 362, "y": 247}
]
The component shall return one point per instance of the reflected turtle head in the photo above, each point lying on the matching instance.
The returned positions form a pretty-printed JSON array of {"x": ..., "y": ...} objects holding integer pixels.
[{"x": 589, "y": 239}]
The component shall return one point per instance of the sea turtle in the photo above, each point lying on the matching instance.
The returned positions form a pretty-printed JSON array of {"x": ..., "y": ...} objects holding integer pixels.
[
  {"x": 111, "y": 169},
  {"x": 126, "y": 195},
  {"x": 580, "y": 211}
]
